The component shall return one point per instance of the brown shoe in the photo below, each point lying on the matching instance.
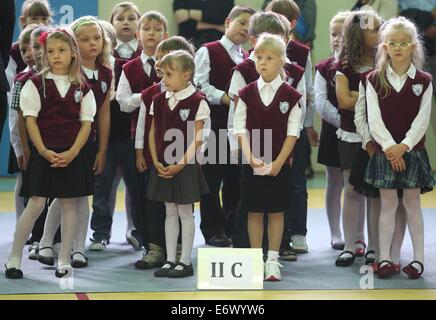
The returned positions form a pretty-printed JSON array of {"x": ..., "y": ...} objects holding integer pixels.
[{"x": 153, "y": 258}]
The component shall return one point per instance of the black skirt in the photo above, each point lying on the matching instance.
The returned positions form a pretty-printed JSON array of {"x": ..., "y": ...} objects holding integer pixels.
[
  {"x": 186, "y": 187},
  {"x": 357, "y": 176},
  {"x": 328, "y": 151},
  {"x": 348, "y": 151},
  {"x": 265, "y": 194},
  {"x": 12, "y": 163},
  {"x": 75, "y": 180}
]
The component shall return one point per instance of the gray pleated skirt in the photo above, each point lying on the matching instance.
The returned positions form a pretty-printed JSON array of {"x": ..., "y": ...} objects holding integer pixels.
[{"x": 185, "y": 188}]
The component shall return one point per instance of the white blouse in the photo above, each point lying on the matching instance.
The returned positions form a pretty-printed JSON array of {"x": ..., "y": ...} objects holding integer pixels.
[
  {"x": 360, "y": 119},
  {"x": 267, "y": 92},
  {"x": 326, "y": 110},
  {"x": 418, "y": 126},
  {"x": 127, "y": 49},
  {"x": 30, "y": 102}
]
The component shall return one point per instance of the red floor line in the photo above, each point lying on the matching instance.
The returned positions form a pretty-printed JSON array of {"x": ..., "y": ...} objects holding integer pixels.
[{"x": 82, "y": 296}]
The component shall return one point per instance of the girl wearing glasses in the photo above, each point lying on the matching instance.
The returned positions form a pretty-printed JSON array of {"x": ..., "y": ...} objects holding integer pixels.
[{"x": 399, "y": 99}]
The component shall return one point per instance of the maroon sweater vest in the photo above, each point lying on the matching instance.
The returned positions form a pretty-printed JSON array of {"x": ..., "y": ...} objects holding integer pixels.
[
  {"x": 274, "y": 117},
  {"x": 399, "y": 109},
  {"x": 120, "y": 121},
  {"x": 178, "y": 118},
  {"x": 101, "y": 89},
  {"x": 221, "y": 66},
  {"x": 327, "y": 68},
  {"x": 347, "y": 116},
  {"x": 59, "y": 118},
  {"x": 147, "y": 98},
  {"x": 298, "y": 53},
  {"x": 138, "y": 81},
  {"x": 247, "y": 68},
  {"x": 16, "y": 55}
]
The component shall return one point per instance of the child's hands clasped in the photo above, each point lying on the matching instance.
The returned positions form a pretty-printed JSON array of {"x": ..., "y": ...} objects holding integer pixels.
[
  {"x": 50, "y": 156},
  {"x": 395, "y": 152},
  {"x": 63, "y": 159},
  {"x": 398, "y": 165}
]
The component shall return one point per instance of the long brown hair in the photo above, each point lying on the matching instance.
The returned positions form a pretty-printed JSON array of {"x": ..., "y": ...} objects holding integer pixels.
[{"x": 353, "y": 50}]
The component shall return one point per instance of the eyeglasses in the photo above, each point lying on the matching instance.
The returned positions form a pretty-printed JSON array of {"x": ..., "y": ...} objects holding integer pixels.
[{"x": 400, "y": 44}]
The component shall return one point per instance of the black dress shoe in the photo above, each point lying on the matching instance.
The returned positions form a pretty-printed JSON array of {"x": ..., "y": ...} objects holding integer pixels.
[
  {"x": 219, "y": 240},
  {"x": 60, "y": 274},
  {"x": 342, "y": 261},
  {"x": 187, "y": 271},
  {"x": 49, "y": 261},
  {"x": 13, "y": 273},
  {"x": 162, "y": 272},
  {"x": 75, "y": 263}
]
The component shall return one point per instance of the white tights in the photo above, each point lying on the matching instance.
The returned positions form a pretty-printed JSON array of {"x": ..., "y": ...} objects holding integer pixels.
[{"x": 335, "y": 184}]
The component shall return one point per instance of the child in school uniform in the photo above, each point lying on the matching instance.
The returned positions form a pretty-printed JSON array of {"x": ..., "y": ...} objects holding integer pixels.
[
  {"x": 399, "y": 100},
  {"x": 296, "y": 224},
  {"x": 214, "y": 62},
  {"x": 137, "y": 75},
  {"x": 58, "y": 165},
  {"x": 246, "y": 73},
  {"x": 37, "y": 53},
  {"x": 328, "y": 152},
  {"x": 94, "y": 51},
  {"x": 267, "y": 104},
  {"x": 32, "y": 12},
  {"x": 178, "y": 180},
  {"x": 125, "y": 20},
  {"x": 356, "y": 57},
  {"x": 155, "y": 255}
]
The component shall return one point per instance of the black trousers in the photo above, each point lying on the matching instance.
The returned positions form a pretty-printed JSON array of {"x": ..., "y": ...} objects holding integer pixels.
[
  {"x": 219, "y": 218},
  {"x": 3, "y": 111},
  {"x": 154, "y": 221}
]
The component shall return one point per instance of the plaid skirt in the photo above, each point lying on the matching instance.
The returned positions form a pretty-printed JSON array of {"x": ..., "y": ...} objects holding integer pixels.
[{"x": 418, "y": 173}]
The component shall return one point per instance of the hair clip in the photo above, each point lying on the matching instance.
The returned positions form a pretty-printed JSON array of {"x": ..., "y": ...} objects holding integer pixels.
[{"x": 43, "y": 37}]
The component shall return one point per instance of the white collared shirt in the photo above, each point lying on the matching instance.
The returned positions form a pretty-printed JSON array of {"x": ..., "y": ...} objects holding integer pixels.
[
  {"x": 360, "y": 118},
  {"x": 140, "y": 127},
  {"x": 127, "y": 49},
  {"x": 267, "y": 92},
  {"x": 343, "y": 135},
  {"x": 30, "y": 102},
  {"x": 325, "y": 108},
  {"x": 128, "y": 100},
  {"x": 90, "y": 74},
  {"x": 174, "y": 98},
  {"x": 202, "y": 69},
  {"x": 417, "y": 128}
]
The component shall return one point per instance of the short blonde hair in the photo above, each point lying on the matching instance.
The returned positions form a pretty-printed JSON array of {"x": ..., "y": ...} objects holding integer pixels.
[
  {"x": 179, "y": 60},
  {"x": 272, "y": 43},
  {"x": 154, "y": 16}
]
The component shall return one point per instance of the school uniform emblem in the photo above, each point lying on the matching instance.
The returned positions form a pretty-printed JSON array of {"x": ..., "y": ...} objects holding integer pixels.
[
  {"x": 184, "y": 114},
  {"x": 78, "y": 96},
  {"x": 417, "y": 89},
  {"x": 284, "y": 107},
  {"x": 103, "y": 86}
]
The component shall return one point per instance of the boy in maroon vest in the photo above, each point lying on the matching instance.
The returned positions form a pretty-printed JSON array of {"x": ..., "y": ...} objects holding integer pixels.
[
  {"x": 137, "y": 75},
  {"x": 214, "y": 63},
  {"x": 300, "y": 55}
]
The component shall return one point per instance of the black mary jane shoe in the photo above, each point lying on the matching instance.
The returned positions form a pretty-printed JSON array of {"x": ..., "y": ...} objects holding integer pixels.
[
  {"x": 79, "y": 263},
  {"x": 49, "y": 261},
  {"x": 369, "y": 260},
  {"x": 186, "y": 271},
  {"x": 163, "y": 272},
  {"x": 345, "y": 261},
  {"x": 13, "y": 273},
  {"x": 60, "y": 274}
]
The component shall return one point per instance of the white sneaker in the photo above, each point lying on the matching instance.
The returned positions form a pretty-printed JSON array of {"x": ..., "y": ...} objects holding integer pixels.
[
  {"x": 272, "y": 270},
  {"x": 299, "y": 244},
  {"x": 33, "y": 251},
  {"x": 98, "y": 245}
]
